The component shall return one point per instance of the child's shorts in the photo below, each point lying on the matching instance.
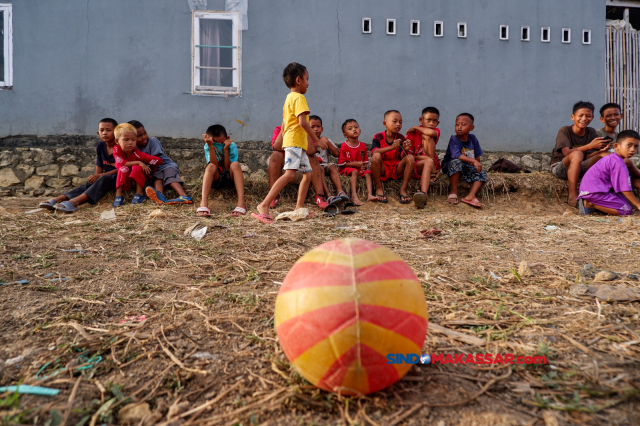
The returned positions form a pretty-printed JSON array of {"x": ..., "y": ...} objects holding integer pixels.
[
  {"x": 610, "y": 200},
  {"x": 346, "y": 171},
  {"x": 296, "y": 159},
  {"x": 560, "y": 171},
  {"x": 468, "y": 172},
  {"x": 390, "y": 171},
  {"x": 224, "y": 179},
  {"x": 168, "y": 176}
]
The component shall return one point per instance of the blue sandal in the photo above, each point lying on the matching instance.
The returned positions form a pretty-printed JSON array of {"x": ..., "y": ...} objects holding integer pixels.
[
  {"x": 138, "y": 199},
  {"x": 49, "y": 205},
  {"x": 119, "y": 201},
  {"x": 66, "y": 207},
  {"x": 156, "y": 196},
  {"x": 183, "y": 199}
]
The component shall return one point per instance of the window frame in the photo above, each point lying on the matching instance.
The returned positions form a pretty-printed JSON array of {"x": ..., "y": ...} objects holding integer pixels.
[
  {"x": 370, "y": 23},
  {"x": 236, "y": 30},
  {"x": 395, "y": 26},
  {"x": 435, "y": 28},
  {"x": 566, "y": 31},
  {"x": 417, "y": 22},
  {"x": 7, "y": 53},
  {"x": 588, "y": 32},
  {"x": 528, "y": 29},
  {"x": 542, "y": 39},
  {"x": 464, "y": 32},
  {"x": 506, "y": 28}
]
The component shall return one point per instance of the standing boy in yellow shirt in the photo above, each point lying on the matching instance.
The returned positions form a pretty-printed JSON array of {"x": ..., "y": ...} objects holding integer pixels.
[{"x": 296, "y": 130}]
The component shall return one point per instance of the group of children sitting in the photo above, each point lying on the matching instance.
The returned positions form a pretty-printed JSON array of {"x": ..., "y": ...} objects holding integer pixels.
[
  {"x": 128, "y": 158},
  {"x": 602, "y": 158}
]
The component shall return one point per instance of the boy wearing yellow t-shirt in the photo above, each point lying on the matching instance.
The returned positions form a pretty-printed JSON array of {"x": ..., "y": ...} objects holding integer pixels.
[{"x": 296, "y": 130}]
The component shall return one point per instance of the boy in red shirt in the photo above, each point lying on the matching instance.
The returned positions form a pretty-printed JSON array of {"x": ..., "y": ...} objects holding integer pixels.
[
  {"x": 354, "y": 161},
  {"x": 132, "y": 164},
  {"x": 424, "y": 139},
  {"x": 390, "y": 158}
]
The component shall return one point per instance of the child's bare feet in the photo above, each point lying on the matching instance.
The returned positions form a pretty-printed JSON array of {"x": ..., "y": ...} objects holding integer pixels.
[
  {"x": 262, "y": 209},
  {"x": 355, "y": 200}
]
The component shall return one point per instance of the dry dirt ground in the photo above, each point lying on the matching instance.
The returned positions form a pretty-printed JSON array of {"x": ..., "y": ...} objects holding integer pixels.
[{"x": 206, "y": 353}]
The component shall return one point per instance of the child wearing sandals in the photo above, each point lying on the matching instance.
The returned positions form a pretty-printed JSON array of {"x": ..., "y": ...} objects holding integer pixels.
[
  {"x": 390, "y": 158},
  {"x": 424, "y": 139},
  {"x": 132, "y": 164},
  {"x": 354, "y": 161},
  {"x": 296, "y": 131},
  {"x": 607, "y": 185},
  {"x": 463, "y": 159},
  {"x": 166, "y": 174},
  {"x": 223, "y": 169}
]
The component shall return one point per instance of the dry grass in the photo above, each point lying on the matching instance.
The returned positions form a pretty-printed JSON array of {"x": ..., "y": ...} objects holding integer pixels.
[{"x": 207, "y": 352}]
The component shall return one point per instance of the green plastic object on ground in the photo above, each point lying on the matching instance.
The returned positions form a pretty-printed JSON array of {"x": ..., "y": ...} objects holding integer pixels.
[{"x": 32, "y": 390}]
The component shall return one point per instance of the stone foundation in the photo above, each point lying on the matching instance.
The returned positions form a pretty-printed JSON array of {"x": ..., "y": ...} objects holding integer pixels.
[{"x": 50, "y": 165}]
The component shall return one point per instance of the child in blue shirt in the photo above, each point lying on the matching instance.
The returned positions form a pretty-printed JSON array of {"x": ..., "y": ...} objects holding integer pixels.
[
  {"x": 463, "y": 158},
  {"x": 223, "y": 169}
]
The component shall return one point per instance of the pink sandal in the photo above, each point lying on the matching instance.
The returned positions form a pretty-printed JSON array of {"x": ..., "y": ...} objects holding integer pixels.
[
  {"x": 475, "y": 202},
  {"x": 239, "y": 211},
  {"x": 264, "y": 218}
]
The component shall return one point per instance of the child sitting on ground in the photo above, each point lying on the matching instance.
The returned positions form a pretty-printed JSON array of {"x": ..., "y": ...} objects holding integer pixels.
[
  {"x": 99, "y": 183},
  {"x": 354, "y": 161},
  {"x": 295, "y": 134},
  {"x": 327, "y": 168},
  {"x": 610, "y": 115},
  {"x": 578, "y": 147},
  {"x": 390, "y": 158},
  {"x": 424, "y": 139},
  {"x": 606, "y": 186},
  {"x": 132, "y": 164},
  {"x": 223, "y": 169},
  {"x": 166, "y": 174},
  {"x": 463, "y": 158}
]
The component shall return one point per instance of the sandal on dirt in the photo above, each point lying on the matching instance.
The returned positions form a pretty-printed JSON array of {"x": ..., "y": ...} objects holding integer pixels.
[
  {"x": 473, "y": 203},
  {"x": 239, "y": 211},
  {"x": 118, "y": 201},
  {"x": 337, "y": 200},
  {"x": 420, "y": 199},
  {"x": 49, "y": 205},
  {"x": 434, "y": 176},
  {"x": 452, "y": 199},
  {"x": 275, "y": 201},
  {"x": 156, "y": 196},
  {"x": 331, "y": 210},
  {"x": 264, "y": 218},
  {"x": 66, "y": 207},
  {"x": 382, "y": 198},
  {"x": 404, "y": 199},
  {"x": 349, "y": 208},
  {"x": 205, "y": 210},
  {"x": 344, "y": 196},
  {"x": 183, "y": 199},
  {"x": 138, "y": 199}
]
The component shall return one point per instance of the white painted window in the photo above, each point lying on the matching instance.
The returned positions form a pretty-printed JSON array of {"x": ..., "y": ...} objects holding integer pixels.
[
  {"x": 545, "y": 34},
  {"x": 391, "y": 26},
  {"x": 438, "y": 29},
  {"x": 566, "y": 35},
  {"x": 586, "y": 36},
  {"x": 462, "y": 29},
  {"x": 217, "y": 53},
  {"x": 414, "y": 30},
  {"x": 525, "y": 34},
  {"x": 6, "y": 47},
  {"x": 366, "y": 25},
  {"x": 504, "y": 32}
]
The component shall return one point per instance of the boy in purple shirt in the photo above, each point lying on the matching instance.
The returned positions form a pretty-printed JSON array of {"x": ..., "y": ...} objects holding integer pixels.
[{"x": 606, "y": 186}]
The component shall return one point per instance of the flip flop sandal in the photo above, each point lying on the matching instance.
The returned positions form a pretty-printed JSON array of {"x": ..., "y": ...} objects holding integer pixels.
[
  {"x": 420, "y": 199},
  {"x": 264, "y": 218},
  {"x": 48, "y": 205},
  {"x": 156, "y": 196},
  {"x": 119, "y": 201},
  {"x": 404, "y": 199},
  {"x": 275, "y": 202},
  {"x": 382, "y": 198},
  {"x": 138, "y": 199},
  {"x": 452, "y": 199},
  {"x": 582, "y": 210},
  {"x": 239, "y": 211},
  {"x": 344, "y": 196},
  {"x": 331, "y": 210},
  {"x": 203, "y": 210},
  {"x": 473, "y": 203},
  {"x": 434, "y": 177},
  {"x": 183, "y": 199},
  {"x": 66, "y": 207},
  {"x": 333, "y": 201},
  {"x": 349, "y": 208}
]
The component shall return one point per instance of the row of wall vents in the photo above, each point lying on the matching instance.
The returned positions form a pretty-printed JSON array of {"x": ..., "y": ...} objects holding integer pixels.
[{"x": 503, "y": 34}]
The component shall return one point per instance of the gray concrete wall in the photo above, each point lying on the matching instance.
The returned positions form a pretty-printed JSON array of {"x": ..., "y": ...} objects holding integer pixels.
[{"x": 76, "y": 61}]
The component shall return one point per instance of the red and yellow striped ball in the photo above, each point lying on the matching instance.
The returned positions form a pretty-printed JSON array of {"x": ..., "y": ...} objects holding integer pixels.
[{"x": 342, "y": 308}]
